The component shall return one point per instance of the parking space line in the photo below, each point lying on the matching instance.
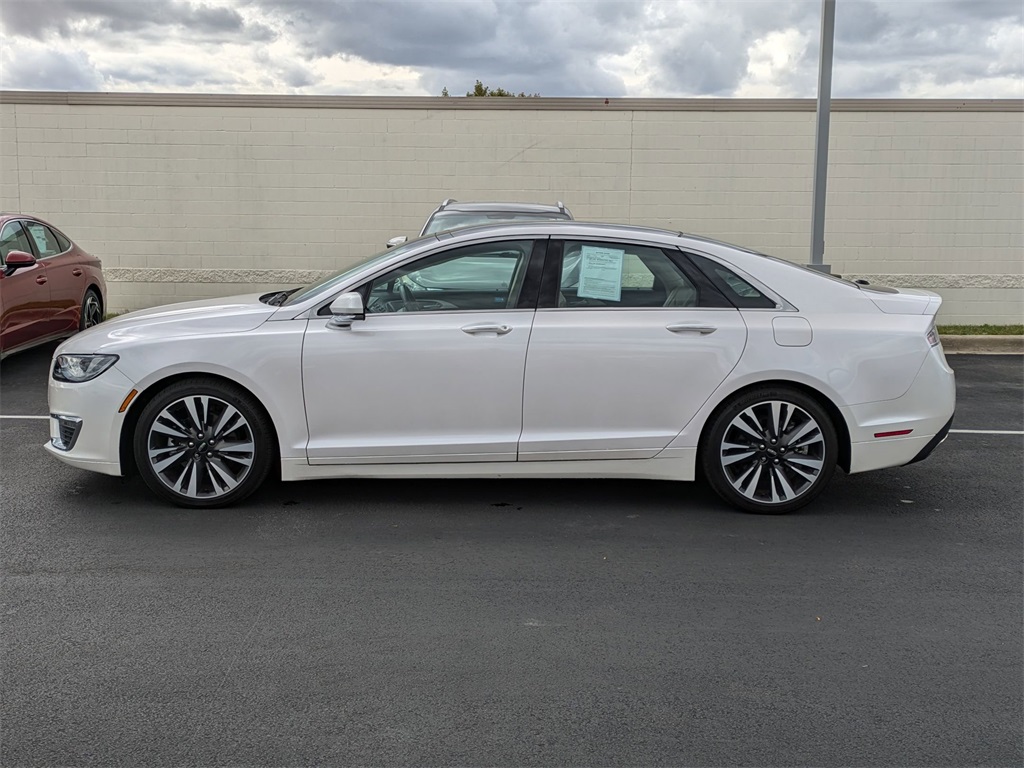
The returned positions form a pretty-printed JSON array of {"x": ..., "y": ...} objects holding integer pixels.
[
  {"x": 987, "y": 431},
  {"x": 4, "y": 416}
]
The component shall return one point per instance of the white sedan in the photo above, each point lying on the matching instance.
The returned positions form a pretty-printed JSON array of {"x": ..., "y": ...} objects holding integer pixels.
[{"x": 543, "y": 349}]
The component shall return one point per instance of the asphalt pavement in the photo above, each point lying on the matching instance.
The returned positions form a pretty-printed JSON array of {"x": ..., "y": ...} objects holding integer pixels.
[{"x": 517, "y": 622}]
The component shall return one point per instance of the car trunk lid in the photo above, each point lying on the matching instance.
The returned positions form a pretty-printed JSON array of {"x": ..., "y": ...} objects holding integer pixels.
[{"x": 903, "y": 301}]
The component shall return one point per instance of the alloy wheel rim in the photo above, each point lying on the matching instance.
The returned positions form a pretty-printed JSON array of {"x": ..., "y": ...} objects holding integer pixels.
[
  {"x": 201, "y": 447},
  {"x": 92, "y": 311},
  {"x": 773, "y": 452}
]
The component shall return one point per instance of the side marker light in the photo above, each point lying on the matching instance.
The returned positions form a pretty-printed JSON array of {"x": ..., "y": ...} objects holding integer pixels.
[{"x": 134, "y": 392}]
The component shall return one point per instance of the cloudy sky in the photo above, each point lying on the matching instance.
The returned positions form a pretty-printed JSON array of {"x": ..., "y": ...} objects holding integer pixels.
[{"x": 607, "y": 48}]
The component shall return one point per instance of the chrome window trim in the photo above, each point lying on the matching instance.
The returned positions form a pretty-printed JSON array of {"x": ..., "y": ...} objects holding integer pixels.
[
  {"x": 437, "y": 312},
  {"x": 642, "y": 309}
]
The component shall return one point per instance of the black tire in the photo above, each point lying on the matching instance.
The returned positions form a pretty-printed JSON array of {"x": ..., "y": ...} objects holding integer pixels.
[
  {"x": 750, "y": 471},
  {"x": 91, "y": 312},
  {"x": 215, "y": 466}
]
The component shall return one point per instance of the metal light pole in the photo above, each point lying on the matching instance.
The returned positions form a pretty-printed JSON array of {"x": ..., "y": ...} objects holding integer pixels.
[{"x": 828, "y": 28}]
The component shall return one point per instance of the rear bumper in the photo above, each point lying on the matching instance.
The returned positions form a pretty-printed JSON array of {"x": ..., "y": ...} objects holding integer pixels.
[
  {"x": 923, "y": 414},
  {"x": 933, "y": 443}
]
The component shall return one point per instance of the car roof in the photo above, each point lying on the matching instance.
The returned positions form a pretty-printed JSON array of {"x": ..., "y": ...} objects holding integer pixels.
[
  {"x": 504, "y": 207},
  {"x": 564, "y": 228},
  {"x": 570, "y": 228}
]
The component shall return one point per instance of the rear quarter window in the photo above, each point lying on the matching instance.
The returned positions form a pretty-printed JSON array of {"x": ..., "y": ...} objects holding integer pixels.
[
  {"x": 62, "y": 241},
  {"x": 739, "y": 291}
]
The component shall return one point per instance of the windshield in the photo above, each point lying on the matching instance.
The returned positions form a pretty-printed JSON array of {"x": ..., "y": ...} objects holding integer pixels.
[
  {"x": 456, "y": 219},
  {"x": 301, "y": 294}
]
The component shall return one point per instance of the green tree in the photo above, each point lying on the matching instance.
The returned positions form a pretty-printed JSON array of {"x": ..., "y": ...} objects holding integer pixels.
[{"x": 482, "y": 90}]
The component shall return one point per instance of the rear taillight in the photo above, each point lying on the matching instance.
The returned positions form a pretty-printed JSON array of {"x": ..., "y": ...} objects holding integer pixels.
[{"x": 933, "y": 336}]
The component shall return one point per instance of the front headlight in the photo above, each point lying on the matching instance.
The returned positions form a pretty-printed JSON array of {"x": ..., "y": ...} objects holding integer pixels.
[{"x": 78, "y": 368}]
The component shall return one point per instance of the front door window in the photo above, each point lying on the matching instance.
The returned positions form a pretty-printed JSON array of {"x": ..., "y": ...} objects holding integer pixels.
[
  {"x": 13, "y": 238},
  {"x": 478, "y": 277}
]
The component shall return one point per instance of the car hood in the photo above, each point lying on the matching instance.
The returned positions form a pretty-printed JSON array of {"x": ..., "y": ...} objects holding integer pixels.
[{"x": 235, "y": 314}]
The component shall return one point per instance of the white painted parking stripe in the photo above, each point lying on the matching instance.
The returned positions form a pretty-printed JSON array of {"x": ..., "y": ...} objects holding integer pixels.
[
  {"x": 987, "y": 431},
  {"x": 4, "y": 416}
]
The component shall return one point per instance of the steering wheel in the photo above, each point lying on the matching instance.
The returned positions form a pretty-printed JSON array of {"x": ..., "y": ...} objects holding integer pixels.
[{"x": 408, "y": 302}]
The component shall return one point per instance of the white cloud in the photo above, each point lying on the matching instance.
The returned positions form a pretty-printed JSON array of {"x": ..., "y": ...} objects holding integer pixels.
[
  {"x": 659, "y": 48},
  {"x": 352, "y": 75},
  {"x": 633, "y": 69},
  {"x": 1007, "y": 44},
  {"x": 771, "y": 62},
  {"x": 29, "y": 64},
  {"x": 927, "y": 87}
]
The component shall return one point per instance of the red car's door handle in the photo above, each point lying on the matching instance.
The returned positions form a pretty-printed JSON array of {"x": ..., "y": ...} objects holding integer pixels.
[
  {"x": 76, "y": 272},
  {"x": 40, "y": 280}
]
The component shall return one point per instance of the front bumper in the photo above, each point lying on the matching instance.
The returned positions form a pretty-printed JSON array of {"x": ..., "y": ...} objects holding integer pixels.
[{"x": 96, "y": 444}]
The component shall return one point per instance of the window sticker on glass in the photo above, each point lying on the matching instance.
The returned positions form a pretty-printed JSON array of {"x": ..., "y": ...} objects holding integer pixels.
[
  {"x": 39, "y": 235},
  {"x": 600, "y": 273}
]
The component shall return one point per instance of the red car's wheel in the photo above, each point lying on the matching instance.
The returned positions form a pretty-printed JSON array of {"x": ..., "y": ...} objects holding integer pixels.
[{"x": 92, "y": 310}]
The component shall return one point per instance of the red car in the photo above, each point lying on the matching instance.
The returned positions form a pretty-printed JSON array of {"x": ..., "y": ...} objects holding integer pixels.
[{"x": 49, "y": 287}]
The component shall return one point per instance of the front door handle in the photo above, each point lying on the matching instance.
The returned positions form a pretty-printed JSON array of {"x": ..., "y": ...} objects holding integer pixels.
[
  {"x": 498, "y": 330},
  {"x": 691, "y": 328},
  {"x": 40, "y": 280}
]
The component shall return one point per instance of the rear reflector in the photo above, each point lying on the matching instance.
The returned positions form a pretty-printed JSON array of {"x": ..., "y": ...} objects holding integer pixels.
[{"x": 897, "y": 433}]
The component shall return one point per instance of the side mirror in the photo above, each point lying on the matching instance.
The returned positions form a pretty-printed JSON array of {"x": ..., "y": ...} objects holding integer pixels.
[
  {"x": 345, "y": 310},
  {"x": 17, "y": 260},
  {"x": 400, "y": 240}
]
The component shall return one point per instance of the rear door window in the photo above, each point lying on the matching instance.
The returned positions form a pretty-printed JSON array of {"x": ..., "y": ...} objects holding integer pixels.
[{"x": 607, "y": 274}]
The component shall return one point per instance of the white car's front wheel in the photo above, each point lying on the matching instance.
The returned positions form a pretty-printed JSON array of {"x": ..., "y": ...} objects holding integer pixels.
[
  {"x": 770, "y": 450},
  {"x": 203, "y": 443}
]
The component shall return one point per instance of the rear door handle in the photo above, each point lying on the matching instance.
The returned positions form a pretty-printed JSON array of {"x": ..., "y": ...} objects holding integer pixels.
[
  {"x": 498, "y": 330},
  {"x": 76, "y": 272},
  {"x": 691, "y": 328},
  {"x": 40, "y": 280}
]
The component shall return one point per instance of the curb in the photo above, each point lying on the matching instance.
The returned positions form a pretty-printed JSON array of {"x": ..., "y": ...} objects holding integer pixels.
[{"x": 983, "y": 345}]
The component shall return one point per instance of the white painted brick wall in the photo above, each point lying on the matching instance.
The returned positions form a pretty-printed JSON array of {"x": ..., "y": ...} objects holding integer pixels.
[{"x": 216, "y": 187}]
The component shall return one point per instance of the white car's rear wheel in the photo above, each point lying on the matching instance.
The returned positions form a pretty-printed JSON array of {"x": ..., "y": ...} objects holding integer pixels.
[
  {"x": 770, "y": 451},
  {"x": 201, "y": 443}
]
